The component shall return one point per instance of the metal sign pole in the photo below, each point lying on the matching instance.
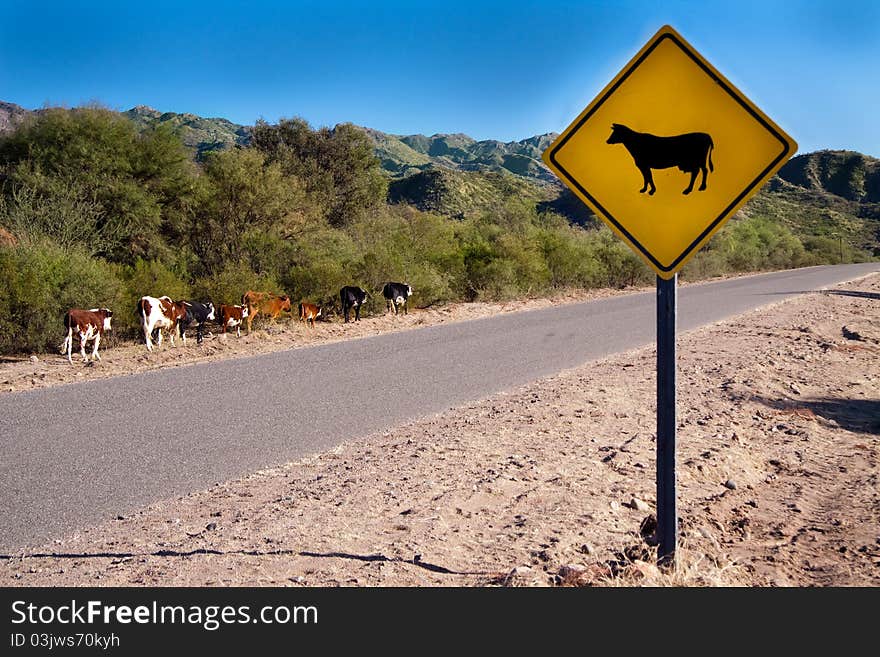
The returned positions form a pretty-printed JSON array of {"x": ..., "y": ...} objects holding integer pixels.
[{"x": 667, "y": 514}]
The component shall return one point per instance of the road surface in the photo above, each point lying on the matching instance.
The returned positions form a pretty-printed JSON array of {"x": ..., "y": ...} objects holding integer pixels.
[{"x": 75, "y": 455}]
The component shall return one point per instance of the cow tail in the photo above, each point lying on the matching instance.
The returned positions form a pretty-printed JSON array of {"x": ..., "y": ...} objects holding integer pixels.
[{"x": 711, "y": 148}]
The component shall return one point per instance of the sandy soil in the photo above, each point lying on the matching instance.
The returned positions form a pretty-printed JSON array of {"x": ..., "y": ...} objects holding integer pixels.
[{"x": 553, "y": 483}]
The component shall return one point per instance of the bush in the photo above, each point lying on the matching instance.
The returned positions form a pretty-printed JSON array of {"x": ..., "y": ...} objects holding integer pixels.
[
  {"x": 228, "y": 285},
  {"x": 620, "y": 266},
  {"x": 407, "y": 246},
  {"x": 39, "y": 283}
]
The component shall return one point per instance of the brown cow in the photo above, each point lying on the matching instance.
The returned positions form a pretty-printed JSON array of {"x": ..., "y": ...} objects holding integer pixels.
[
  {"x": 232, "y": 317},
  {"x": 90, "y": 325},
  {"x": 309, "y": 312},
  {"x": 264, "y": 302}
]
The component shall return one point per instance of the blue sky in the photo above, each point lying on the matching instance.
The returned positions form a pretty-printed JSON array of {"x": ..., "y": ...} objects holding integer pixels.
[{"x": 494, "y": 70}]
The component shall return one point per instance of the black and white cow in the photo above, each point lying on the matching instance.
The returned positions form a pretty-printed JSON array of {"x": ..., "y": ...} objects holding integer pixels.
[
  {"x": 396, "y": 294},
  {"x": 196, "y": 313},
  {"x": 352, "y": 296}
]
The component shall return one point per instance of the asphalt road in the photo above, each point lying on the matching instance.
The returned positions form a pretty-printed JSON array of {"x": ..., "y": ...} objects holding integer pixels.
[{"x": 78, "y": 454}]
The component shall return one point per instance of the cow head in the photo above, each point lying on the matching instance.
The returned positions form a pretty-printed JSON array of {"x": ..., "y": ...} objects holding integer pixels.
[
  {"x": 107, "y": 316},
  {"x": 408, "y": 291},
  {"x": 619, "y": 132},
  {"x": 285, "y": 303},
  {"x": 210, "y": 307}
]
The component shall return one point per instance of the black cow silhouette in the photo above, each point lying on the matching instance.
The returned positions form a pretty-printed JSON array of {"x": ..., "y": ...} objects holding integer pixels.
[{"x": 688, "y": 152}]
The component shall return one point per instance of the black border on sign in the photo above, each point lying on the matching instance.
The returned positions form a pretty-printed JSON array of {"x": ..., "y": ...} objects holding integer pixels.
[{"x": 726, "y": 211}]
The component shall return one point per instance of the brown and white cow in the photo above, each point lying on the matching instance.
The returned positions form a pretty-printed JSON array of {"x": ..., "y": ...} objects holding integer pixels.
[
  {"x": 90, "y": 325},
  {"x": 309, "y": 312},
  {"x": 264, "y": 302},
  {"x": 158, "y": 314},
  {"x": 232, "y": 317}
]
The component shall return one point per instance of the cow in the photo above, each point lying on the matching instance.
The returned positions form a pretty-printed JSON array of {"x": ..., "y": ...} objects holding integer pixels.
[
  {"x": 396, "y": 294},
  {"x": 158, "y": 314},
  {"x": 352, "y": 296},
  {"x": 196, "y": 313},
  {"x": 232, "y": 317},
  {"x": 689, "y": 152},
  {"x": 309, "y": 312},
  {"x": 89, "y": 325},
  {"x": 264, "y": 302}
]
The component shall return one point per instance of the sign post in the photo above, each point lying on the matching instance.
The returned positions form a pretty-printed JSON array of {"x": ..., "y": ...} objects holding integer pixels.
[
  {"x": 665, "y": 154},
  {"x": 667, "y": 512}
]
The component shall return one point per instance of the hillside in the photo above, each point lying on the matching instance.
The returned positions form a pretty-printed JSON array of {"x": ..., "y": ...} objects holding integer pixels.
[
  {"x": 460, "y": 193},
  {"x": 830, "y": 194},
  {"x": 11, "y": 115},
  {"x": 404, "y": 155},
  {"x": 846, "y": 174},
  {"x": 197, "y": 133},
  {"x": 826, "y": 194}
]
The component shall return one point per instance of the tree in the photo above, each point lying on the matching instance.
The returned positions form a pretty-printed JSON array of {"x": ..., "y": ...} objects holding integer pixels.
[
  {"x": 137, "y": 186},
  {"x": 337, "y": 167},
  {"x": 240, "y": 192}
]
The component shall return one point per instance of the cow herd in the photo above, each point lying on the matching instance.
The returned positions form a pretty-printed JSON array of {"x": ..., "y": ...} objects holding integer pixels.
[{"x": 158, "y": 314}]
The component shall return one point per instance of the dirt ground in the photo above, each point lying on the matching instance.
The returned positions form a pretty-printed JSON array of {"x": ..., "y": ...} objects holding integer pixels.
[{"x": 553, "y": 483}]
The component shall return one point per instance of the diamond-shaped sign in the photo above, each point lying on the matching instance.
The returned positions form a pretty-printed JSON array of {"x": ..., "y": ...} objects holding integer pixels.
[{"x": 668, "y": 151}]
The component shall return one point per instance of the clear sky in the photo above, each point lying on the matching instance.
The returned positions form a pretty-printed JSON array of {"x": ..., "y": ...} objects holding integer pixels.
[{"x": 492, "y": 69}]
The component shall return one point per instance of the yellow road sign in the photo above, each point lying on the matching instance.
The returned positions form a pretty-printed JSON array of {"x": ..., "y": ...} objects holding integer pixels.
[{"x": 668, "y": 151}]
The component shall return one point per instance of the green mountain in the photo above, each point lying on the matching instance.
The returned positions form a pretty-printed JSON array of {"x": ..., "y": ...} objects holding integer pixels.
[
  {"x": 831, "y": 194},
  {"x": 458, "y": 193},
  {"x": 405, "y": 155},
  {"x": 826, "y": 194},
  {"x": 200, "y": 134}
]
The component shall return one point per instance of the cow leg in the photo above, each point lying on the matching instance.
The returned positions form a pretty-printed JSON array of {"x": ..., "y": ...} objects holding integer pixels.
[
  {"x": 690, "y": 187},
  {"x": 703, "y": 184},
  {"x": 648, "y": 181},
  {"x": 95, "y": 355},
  {"x": 405, "y": 309},
  {"x": 68, "y": 345},
  {"x": 357, "y": 313},
  {"x": 82, "y": 346},
  {"x": 199, "y": 336}
]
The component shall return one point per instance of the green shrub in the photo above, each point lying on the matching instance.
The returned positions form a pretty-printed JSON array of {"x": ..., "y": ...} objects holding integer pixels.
[
  {"x": 39, "y": 282},
  {"x": 229, "y": 284}
]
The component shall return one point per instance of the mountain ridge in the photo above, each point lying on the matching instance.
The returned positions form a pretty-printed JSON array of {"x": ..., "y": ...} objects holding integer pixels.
[{"x": 824, "y": 193}]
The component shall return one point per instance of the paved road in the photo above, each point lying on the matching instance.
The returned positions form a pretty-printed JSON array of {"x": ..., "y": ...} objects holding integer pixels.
[{"x": 77, "y": 454}]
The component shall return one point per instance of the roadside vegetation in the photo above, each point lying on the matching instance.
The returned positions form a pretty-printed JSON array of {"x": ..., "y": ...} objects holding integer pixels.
[{"x": 96, "y": 211}]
